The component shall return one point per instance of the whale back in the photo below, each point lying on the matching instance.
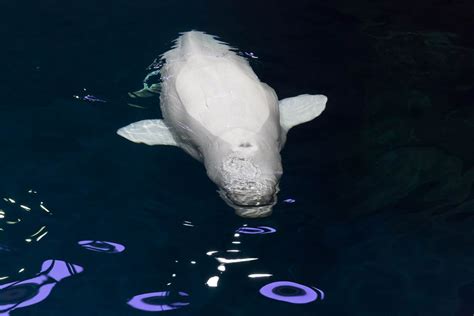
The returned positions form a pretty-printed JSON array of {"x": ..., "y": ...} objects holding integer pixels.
[{"x": 206, "y": 83}]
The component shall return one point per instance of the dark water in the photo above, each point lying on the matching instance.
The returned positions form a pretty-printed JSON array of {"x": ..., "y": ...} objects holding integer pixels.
[{"x": 382, "y": 222}]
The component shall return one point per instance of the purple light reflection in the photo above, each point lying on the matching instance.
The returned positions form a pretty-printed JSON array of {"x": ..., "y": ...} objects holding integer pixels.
[
  {"x": 92, "y": 98},
  {"x": 102, "y": 246},
  {"x": 156, "y": 302},
  {"x": 4, "y": 248},
  {"x": 89, "y": 98},
  {"x": 291, "y": 292},
  {"x": 256, "y": 230},
  {"x": 28, "y": 292}
]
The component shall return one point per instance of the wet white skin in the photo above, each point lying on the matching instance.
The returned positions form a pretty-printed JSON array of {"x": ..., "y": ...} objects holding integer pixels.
[
  {"x": 247, "y": 170},
  {"x": 226, "y": 117},
  {"x": 218, "y": 111}
]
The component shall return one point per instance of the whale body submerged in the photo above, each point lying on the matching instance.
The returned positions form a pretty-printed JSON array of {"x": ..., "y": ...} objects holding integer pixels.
[{"x": 217, "y": 110}]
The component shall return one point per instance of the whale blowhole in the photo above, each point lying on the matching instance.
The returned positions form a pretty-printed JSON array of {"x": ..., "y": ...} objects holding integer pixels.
[{"x": 245, "y": 145}]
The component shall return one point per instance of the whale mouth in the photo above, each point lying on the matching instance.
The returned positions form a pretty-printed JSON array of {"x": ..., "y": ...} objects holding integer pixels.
[
  {"x": 251, "y": 203},
  {"x": 256, "y": 209}
]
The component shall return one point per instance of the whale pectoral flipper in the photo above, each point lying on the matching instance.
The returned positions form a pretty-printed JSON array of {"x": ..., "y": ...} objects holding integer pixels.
[
  {"x": 300, "y": 109},
  {"x": 150, "y": 132}
]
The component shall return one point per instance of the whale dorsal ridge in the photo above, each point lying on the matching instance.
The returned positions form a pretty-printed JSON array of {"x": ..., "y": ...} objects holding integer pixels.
[
  {"x": 300, "y": 109},
  {"x": 150, "y": 132}
]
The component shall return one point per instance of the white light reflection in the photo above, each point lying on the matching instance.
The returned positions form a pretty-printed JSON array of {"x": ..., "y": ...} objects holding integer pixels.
[
  {"x": 41, "y": 236},
  {"x": 236, "y": 242},
  {"x": 22, "y": 218},
  {"x": 212, "y": 282},
  {"x": 39, "y": 231},
  {"x": 44, "y": 208},
  {"x": 233, "y": 250},
  {"x": 228, "y": 261},
  {"x": 26, "y": 208},
  {"x": 260, "y": 275},
  {"x": 221, "y": 268},
  {"x": 210, "y": 253}
]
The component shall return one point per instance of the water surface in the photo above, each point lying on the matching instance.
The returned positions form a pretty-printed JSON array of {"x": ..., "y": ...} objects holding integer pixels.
[{"x": 378, "y": 218}]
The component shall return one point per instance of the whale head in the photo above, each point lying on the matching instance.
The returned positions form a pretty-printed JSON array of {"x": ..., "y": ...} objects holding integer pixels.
[{"x": 247, "y": 170}]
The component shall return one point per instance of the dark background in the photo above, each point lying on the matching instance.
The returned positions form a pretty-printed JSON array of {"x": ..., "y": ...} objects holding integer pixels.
[{"x": 383, "y": 219}]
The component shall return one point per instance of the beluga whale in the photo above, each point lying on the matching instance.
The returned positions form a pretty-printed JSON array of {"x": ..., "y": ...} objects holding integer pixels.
[{"x": 217, "y": 110}]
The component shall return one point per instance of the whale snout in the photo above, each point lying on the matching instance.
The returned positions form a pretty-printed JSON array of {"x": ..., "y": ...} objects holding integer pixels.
[
  {"x": 247, "y": 183},
  {"x": 252, "y": 199}
]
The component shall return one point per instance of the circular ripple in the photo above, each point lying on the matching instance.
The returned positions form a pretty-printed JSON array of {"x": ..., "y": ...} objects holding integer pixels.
[
  {"x": 291, "y": 292},
  {"x": 158, "y": 301},
  {"x": 256, "y": 230},
  {"x": 101, "y": 246}
]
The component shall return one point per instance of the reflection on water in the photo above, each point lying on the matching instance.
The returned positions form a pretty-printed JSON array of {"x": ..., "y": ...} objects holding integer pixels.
[
  {"x": 259, "y": 275},
  {"x": 24, "y": 218},
  {"x": 291, "y": 292},
  {"x": 32, "y": 291},
  {"x": 237, "y": 260},
  {"x": 159, "y": 301},
  {"x": 4, "y": 248},
  {"x": 256, "y": 230},
  {"x": 188, "y": 223},
  {"x": 85, "y": 96},
  {"x": 23, "y": 223},
  {"x": 285, "y": 291},
  {"x": 214, "y": 280},
  {"x": 102, "y": 246}
]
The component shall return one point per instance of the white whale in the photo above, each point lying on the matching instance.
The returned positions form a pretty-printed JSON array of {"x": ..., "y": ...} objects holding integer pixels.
[{"x": 217, "y": 110}]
